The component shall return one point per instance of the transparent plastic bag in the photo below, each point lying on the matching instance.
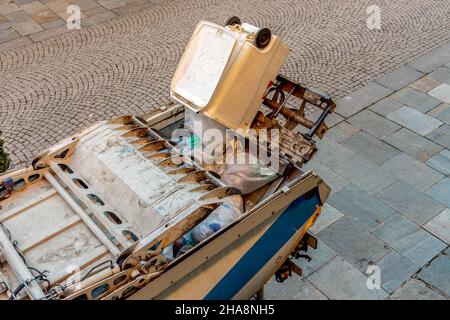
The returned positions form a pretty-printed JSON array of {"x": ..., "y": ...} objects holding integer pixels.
[{"x": 231, "y": 208}]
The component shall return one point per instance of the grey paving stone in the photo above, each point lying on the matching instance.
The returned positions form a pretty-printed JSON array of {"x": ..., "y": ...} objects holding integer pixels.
[
  {"x": 7, "y": 35},
  {"x": 295, "y": 288},
  {"x": 332, "y": 119},
  {"x": 409, "y": 239},
  {"x": 361, "y": 99},
  {"x": 341, "y": 132},
  {"x": 386, "y": 106},
  {"x": 319, "y": 256},
  {"x": 441, "y": 135},
  {"x": 413, "y": 172},
  {"x": 441, "y": 191},
  {"x": 331, "y": 154},
  {"x": 441, "y": 162},
  {"x": 415, "y": 289},
  {"x": 364, "y": 174},
  {"x": 330, "y": 177},
  {"x": 395, "y": 269},
  {"x": 413, "y": 144},
  {"x": 328, "y": 216},
  {"x": 432, "y": 60},
  {"x": 360, "y": 206},
  {"x": 442, "y": 93},
  {"x": 416, "y": 99},
  {"x": 373, "y": 123},
  {"x": 369, "y": 147},
  {"x": 439, "y": 226},
  {"x": 359, "y": 247},
  {"x": 441, "y": 74},
  {"x": 27, "y": 28},
  {"x": 18, "y": 17},
  {"x": 53, "y": 24},
  {"x": 400, "y": 78},
  {"x": 7, "y": 8},
  {"x": 22, "y": 2},
  {"x": 339, "y": 280},
  {"x": 5, "y": 25},
  {"x": 414, "y": 120},
  {"x": 409, "y": 201},
  {"x": 425, "y": 84},
  {"x": 437, "y": 274},
  {"x": 441, "y": 112}
]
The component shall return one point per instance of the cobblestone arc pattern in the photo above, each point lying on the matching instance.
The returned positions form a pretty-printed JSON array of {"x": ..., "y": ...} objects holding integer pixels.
[{"x": 51, "y": 89}]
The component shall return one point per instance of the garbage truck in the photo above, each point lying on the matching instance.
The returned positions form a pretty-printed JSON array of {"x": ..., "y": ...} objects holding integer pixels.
[{"x": 204, "y": 198}]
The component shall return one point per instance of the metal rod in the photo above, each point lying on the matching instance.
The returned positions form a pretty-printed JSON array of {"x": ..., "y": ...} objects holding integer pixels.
[
  {"x": 17, "y": 264},
  {"x": 285, "y": 100},
  {"x": 83, "y": 215}
]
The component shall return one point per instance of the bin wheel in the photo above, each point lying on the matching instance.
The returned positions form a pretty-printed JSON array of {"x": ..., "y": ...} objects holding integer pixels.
[
  {"x": 262, "y": 38},
  {"x": 233, "y": 20}
]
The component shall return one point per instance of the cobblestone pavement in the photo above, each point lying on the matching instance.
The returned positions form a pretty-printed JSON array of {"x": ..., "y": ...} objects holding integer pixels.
[
  {"x": 386, "y": 158},
  {"x": 50, "y": 89}
]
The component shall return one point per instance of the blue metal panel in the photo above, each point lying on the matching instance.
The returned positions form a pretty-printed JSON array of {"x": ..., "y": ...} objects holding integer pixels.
[{"x": 289, "y": 222}]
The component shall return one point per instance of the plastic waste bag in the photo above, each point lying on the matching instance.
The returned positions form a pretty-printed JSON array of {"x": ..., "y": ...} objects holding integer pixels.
[{"x": 231, "y": 208}]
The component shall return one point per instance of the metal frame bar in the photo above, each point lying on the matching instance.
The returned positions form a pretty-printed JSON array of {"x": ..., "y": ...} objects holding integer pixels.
[
  {"x": 16, "y": 262},
  {"x": 83, "y": 215}
]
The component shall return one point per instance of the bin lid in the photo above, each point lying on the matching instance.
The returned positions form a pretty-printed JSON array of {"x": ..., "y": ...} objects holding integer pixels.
[{"x": 202, "y": 65}]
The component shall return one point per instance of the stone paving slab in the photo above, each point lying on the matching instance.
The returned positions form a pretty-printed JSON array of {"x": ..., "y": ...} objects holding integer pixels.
[
  {"x": 441, "y": 112},
  {"x": 359, "y": 247},
  {"x": 432, "y": 60},
  {"x": 373, "y": 124},
  {"x": 413, "y": 144},
  {"x": 414, "y": 120},
  {"x": 439, "y": 226},
  {"x": 425, "y": 84},
  {"x": 341, "y": 132},
  {"x": 328, "y": 216},
  {"x": 369, "y": 147},
  {"x": 415, "y": 289},
  {"x": 436, "y": 274},
  {"x": 360, "y": 206},
  {"x": 415, "y": 99},
  {"x": 349, "y": 285},
  {"x": 295, "y": 288},
  {"x": 333, "y": 180},
  {"x": 320, "y": 256},
  {"x": 331, "y": 154},
  {"x": 408, "y": 239},
  {"x": 395, "y": 269},
  {"x": 441, "y": 74},
  {"x": 360, "y": 99},
  {"x": 364, "y": 174},
  {"x": 441, "y": 136},
  {"x": 442, "y": 93},
  {"x": 386, "y": 106},
  {"x": 441, "y": 162},
  {"x": 441, "y": 191},
  {"x": 413, "y": 172},
  {"x": 409, "y": 201},
  {"x": 400, "y": 78}
]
